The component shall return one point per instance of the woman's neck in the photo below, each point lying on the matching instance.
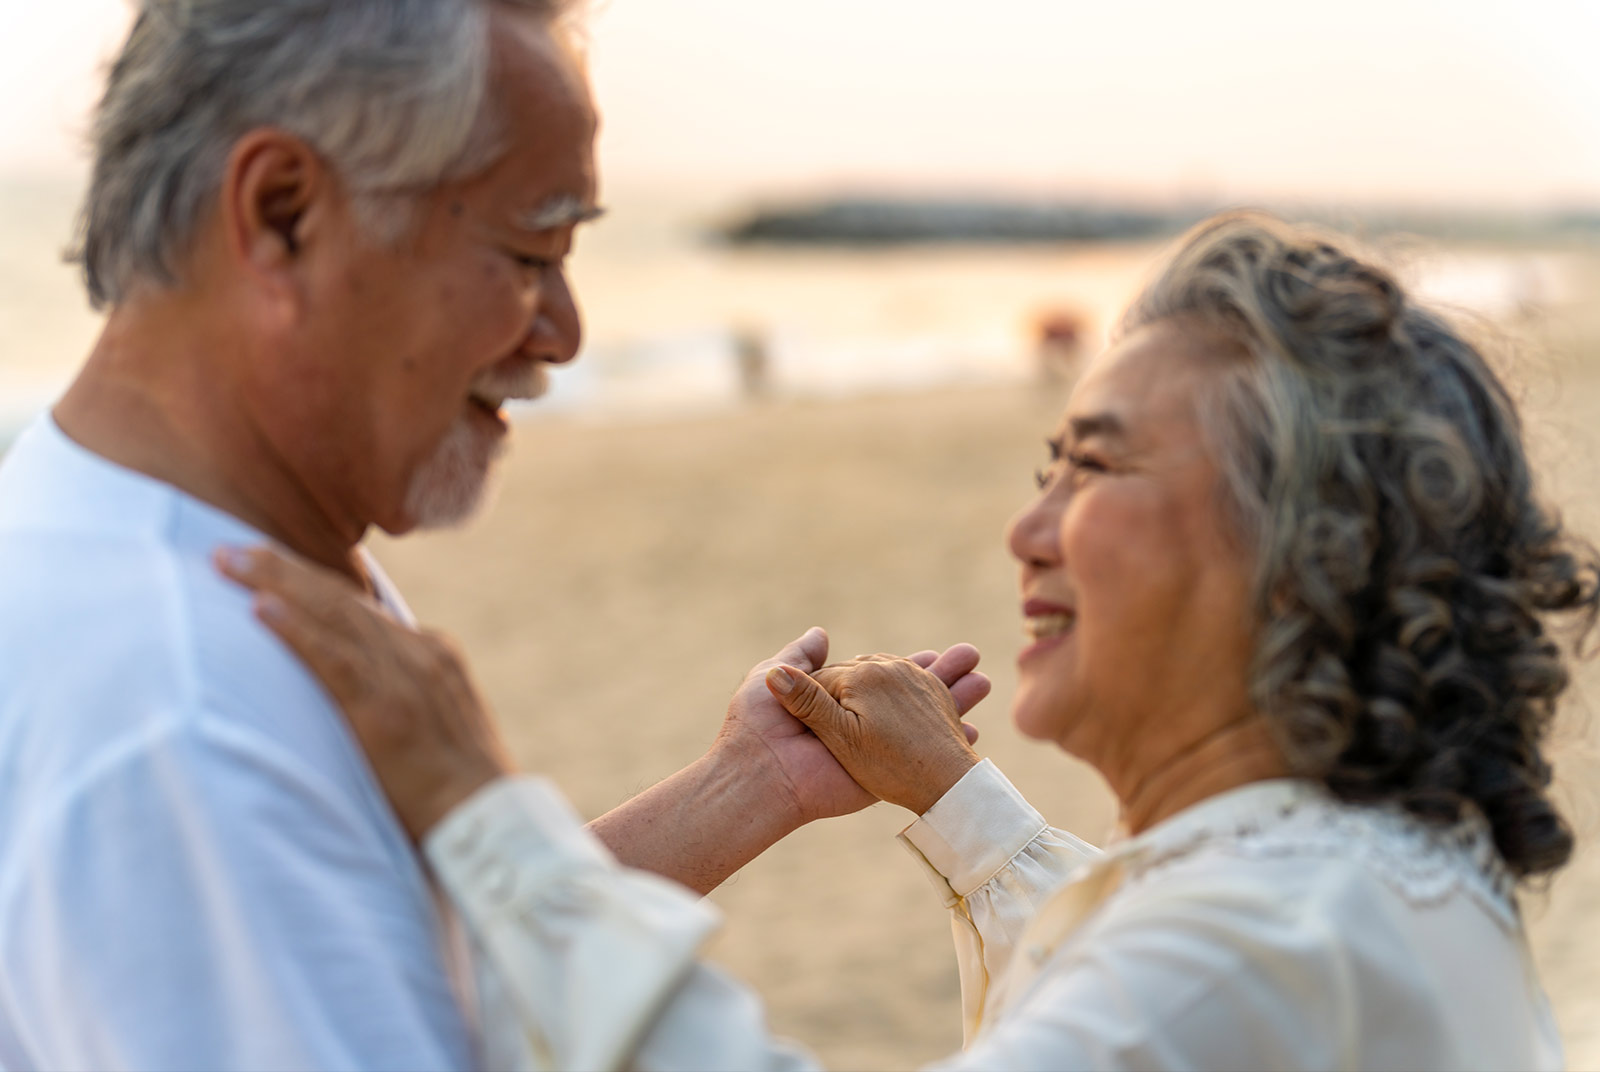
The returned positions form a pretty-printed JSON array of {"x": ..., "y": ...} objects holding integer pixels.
[{"x": 1236, "y": 754}]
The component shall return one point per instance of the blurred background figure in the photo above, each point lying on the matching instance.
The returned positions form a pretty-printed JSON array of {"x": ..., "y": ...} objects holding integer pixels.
[
  {"x": 894, "y": 192},
  {"x": 1061, "y": 338},
  {"x": 754, "y": 360}
]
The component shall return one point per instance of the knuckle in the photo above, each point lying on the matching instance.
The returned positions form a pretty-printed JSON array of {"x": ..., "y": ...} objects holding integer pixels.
[
  {"x": 265, "y": 563},
  {"x": 831, "y": 678},
  {"x": 441, "y": 655},
  {"x": 442, "y": 648},
  {"x": 876, "y": 673},
  {"x": 334, "y": 612},
  {"x": 344, "y": 675},
  {"x": 442, "y": 643}
]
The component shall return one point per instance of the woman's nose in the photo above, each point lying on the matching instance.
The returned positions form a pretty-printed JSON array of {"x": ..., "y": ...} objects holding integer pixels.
[{"x": 1034, "y": 534}]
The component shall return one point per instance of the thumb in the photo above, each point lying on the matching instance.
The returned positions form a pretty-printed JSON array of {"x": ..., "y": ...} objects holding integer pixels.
[
  {"x": 808, "y": 651},
  {"x": 807, "y": 701}
]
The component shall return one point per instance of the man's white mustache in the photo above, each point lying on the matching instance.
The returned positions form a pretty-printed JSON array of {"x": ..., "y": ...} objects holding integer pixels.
[{"x": 496, "y": 386}]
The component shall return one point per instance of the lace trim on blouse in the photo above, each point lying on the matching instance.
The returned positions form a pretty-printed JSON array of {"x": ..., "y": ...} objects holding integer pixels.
[{"x": 1424, "y": 863}]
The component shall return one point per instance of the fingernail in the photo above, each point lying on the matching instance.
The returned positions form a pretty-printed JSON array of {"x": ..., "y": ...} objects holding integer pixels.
[
  {"x": 234, "y": 560},
  {"x": 271, "y": 608},
  {"x": 780, "y": 679}
]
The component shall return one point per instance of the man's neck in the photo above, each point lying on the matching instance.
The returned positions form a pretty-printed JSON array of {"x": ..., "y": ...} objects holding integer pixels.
[{"x": 164, "y": 403}]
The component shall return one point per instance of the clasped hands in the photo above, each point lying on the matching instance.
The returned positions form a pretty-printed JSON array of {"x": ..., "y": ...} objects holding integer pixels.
[
  {"x": 836, "y": 739},
  {"x": 893, "y": 724}
]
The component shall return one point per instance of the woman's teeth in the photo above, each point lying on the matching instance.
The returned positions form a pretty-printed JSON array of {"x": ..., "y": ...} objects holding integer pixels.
[{"x": 1040, "y": 626}]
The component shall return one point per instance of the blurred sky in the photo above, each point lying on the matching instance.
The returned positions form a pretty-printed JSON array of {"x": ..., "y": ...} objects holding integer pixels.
[{"x": 1466, "y": 102}]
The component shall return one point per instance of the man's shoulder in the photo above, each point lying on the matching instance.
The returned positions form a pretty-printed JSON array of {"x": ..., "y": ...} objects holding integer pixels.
[
  {"x": 110, "y": 643},
  {"x": 145, "y": 691},
  {"x": 108, "y": 593},
  {"x": 132, "y": 613},
  {"x": 122, "y": 649}
]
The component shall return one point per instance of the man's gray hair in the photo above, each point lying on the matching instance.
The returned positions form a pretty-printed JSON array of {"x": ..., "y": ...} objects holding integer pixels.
[{"x": 392, "y": 93}]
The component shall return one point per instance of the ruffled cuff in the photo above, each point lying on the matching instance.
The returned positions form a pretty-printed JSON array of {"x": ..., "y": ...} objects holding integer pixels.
[{"x": 972, "y": 832}]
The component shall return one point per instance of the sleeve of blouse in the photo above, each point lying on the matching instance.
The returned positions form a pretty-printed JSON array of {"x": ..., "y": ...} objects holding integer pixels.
[
  {"x": 992, "y": 859},
  {"x": 598, "y": 959}
]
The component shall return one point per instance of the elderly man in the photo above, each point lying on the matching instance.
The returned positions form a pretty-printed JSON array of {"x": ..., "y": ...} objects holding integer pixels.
[
  {"x": 330, "y": 239},
  {"x": 330, "y": 236}
]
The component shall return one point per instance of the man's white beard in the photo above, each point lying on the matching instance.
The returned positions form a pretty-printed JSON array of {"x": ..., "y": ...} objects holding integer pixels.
[{"x": 448, "y": 487}]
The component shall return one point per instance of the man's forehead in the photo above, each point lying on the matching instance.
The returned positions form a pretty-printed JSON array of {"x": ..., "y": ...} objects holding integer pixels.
[
  {"x": 546, "y": 179},
  {"x": 539, "y": 60}
]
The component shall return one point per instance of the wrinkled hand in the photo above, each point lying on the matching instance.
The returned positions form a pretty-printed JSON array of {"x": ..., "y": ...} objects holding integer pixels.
[
  {"x": 759, "y": 729},
  {"x": 407, "y": 695},
  {"x": 893, "y": 725}
]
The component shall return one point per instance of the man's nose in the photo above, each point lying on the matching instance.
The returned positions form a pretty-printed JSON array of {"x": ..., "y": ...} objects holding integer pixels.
[{"x": 557, "y": 331}]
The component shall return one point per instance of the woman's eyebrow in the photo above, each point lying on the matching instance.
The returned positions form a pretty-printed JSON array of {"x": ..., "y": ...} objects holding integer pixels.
[{"x": 1106, "y": 425}]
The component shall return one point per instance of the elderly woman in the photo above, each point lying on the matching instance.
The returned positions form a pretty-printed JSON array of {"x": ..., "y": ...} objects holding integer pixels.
[{"x": 1286, "y": 585}]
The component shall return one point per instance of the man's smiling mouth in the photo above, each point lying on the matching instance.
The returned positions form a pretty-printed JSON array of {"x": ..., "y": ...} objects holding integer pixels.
[
  {"x": 495, "y": 388},
  {"x": 492, "y": 404}
]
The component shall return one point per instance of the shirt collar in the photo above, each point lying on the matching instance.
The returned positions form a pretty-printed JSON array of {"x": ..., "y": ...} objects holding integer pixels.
[{"x": 1245, "y": 809}]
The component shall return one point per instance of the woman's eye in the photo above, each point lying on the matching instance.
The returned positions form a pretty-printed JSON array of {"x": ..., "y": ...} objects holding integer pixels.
[
  {"x": 1085, "y": 463},
  {"x": 1075, "y": 464}
]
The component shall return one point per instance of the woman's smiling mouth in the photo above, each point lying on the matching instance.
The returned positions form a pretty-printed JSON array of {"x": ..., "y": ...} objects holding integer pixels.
[{"x": 1045, "y": 625}]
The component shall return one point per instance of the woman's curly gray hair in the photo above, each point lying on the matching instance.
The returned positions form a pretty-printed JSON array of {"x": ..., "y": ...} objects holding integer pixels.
[{"x": 1407, "y": 575}]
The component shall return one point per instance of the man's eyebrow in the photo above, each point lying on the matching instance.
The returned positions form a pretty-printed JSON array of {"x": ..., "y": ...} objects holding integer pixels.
[{"x": 562, "y": 210}]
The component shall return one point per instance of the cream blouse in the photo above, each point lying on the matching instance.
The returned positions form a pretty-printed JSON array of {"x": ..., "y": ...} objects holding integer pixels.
[{"x": 1268, "y": 927}]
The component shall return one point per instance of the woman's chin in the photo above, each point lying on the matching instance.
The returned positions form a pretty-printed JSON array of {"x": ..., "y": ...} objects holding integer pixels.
[{"x": 1035, "y": 716}]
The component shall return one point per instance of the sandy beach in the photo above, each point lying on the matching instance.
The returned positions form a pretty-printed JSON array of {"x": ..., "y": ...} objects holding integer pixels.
[{"x": 630, "y": 574}]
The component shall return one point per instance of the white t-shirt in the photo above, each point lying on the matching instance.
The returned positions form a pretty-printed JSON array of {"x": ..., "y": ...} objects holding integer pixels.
[{"x": 197, "y": 867}]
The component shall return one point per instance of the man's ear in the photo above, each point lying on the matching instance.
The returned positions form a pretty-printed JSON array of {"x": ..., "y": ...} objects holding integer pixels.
[{"x": 276, "y": 192}]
